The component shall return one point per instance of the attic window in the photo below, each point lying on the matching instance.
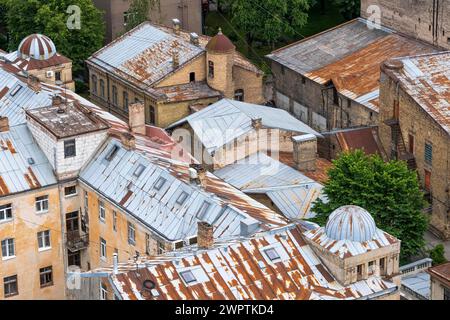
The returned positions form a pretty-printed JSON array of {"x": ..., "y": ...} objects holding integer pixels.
[
  {"x": 188, "y": 277},
  {"x": 137, "y": 173},
  {"x": 179, "y": 244},
  {"x": 112, "y": 153},
  {"x": 272, "y": 254},
  {"x": 182, "y": 198},
  {"x": 16, "y": 90},
  {"x": 30, "y": 161},
  {"x": 203, "y": 210},
  {"x": 160, "y": 183}
]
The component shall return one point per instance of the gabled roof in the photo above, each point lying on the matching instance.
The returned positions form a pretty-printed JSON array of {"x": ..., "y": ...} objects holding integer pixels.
[
  {"x": 441, "y": 272},
  {"x": 226, "y": 120},
  {"x": 243, "y": 270},
  {"x": 365, "y": 139}
]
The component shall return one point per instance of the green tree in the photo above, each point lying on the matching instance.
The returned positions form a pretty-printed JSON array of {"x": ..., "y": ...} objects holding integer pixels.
[
  {"x": 268, "y": 20},
  {"x": 389, "y": 191},
  {"x": 349, "y": 9},
  {"x": 51, "y": 17},
  {"x": 139, "y": 12},
  {"x": 438, "y": 254}
]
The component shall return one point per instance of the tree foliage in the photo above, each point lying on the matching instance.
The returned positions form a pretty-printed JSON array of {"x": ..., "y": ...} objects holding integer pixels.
[
  {"x": 349, "y": 9},
  {"x": 139, "y": 12},
  {"x": 389, "y": 191},
  {"x": 268, "y": 20},
  {"x": 438, "y": 254},
  {"x": 50, "y": 17}
]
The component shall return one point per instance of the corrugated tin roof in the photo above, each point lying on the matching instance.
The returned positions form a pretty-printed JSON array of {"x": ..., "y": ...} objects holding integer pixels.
[
  {"x": 243, "y": 270},
  {"x": 23, "y": 166},
  {"x": 365, "y": 139},
  {"x": 187, "y": 92},
  {"x": 426, "y": 79},
  {"x": 226, "y": 120},
  {"x": 419, "y": 283}
]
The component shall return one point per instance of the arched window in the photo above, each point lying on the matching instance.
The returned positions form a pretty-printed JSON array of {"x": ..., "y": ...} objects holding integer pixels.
[
  {"x": 114, "y": 95},
  {"x": 102, "y": 88},
  {"x": 211, "y": 69},
  {"x": 94, "y": 84},
  {"x": 152, "y": 115},
  {"x": 239, "y": 95}
]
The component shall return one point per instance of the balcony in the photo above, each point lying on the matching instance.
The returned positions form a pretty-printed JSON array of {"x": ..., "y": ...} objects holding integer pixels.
[{"x": 76, "y": 241}]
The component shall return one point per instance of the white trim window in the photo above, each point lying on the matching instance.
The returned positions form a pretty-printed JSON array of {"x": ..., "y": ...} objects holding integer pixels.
[
  {"x": 8, "y": 249},
  {"x": 70, "y": 191},
  {"x": 103, "y": 292},
  {"x": 44, "y": 240},
  {"x": 103, "y": 248},
  {"x": 6, "y": 212},
  {"x": 42, "y": 204},
  {"x": 101, "y": 210},
  {"x": 131, "y": 234}
]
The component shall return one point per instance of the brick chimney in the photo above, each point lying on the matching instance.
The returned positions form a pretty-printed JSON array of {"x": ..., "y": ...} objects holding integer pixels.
[
  {"x": 4, "y": 124},
  {"x": 128, "y": 141},
  {"x": 205, "y": 235},
  {"x": 257, "y": 123},
  {"x": 137, "y": 118},
  {"x": 176, "y": 25},
  {"x": 175, "y": 58},
  {"x": 305, "y": 152}
]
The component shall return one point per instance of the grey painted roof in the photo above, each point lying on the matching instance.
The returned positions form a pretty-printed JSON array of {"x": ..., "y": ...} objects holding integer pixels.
[
  {"x": 226, "y": 120},
  {"x": 327, "y": 47},
  {"x": 418, "y": 283},
  {"x": 23, "y": 166}
]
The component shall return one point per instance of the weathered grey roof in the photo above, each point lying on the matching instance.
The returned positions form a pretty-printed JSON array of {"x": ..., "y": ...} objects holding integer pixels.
[
  {"x": 226, "y": 120},
  {"x": 292, "y": 192},
  {"x": 23, "y": 166},
  {"x": 242, "y": 270},
  {"x": 418, "y": 283}
]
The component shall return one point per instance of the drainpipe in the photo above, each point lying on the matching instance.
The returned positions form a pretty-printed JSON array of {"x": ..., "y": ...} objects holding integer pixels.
[{"x": 115, "y": 264}]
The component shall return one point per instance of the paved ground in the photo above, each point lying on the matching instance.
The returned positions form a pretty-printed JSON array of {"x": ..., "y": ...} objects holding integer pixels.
[{"x": 432, "y": 240}]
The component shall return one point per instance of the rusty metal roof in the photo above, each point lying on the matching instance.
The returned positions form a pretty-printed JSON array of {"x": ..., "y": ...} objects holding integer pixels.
[
  {"x": 442, "y": 272},
  {"x": 350, "y": 56},
  {"x": 188, "y": 92},
  {"x": 365, "y": 139},
  {"x": 426, "y": 78},
  {"x": 242, "y": 270}
]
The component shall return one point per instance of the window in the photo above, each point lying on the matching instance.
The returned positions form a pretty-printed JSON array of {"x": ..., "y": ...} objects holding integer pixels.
[
  {"x": 112, "y": 153},
  {"x": 131, "y": 234},
  {"x": 72, "y": 221},
  {"x": 5, "y": 212},
  {"x": 427, "y": 185},
  {"x": 147, "y": 244},
  {"x": 371, "y": 267},
  {"x": 70, "y": 191},
  {"x": 411, "y": 143},
  {"x": 272, "y": 254},
  {"x": 428, "y": 154},
  {"x": 125, "y": 101},
  {"x": 203, "y": 210},
  {"x": 8, "y": 248},
  {"x": 178, "y": 245},
  {"x": 103, "y": 292},
  {"x": 182, "y": 198},
  {"x": 192, "y": 240},
  {"x": 102, "y": 248},
  {"x": 74, "y": 258},
  {"x": 359, "y": 271},
  {"x": 140, "y": 168},
  {"x": 57, "y": 75},
  {"x": 16, "y": 90},
  {"x": 446, "y": 294},
  {"x": 69, "y": 148},
  {"x": 303, "y": 80},
  {"x": 94, "y": 84},
  {"x": 114, "y": 96},
  {"x": 44, "y": 240},
  {"x": 101, "y": 210},
  {"x": 42, "y": 204},
  {"x": 10, "y": 286},
  {"x": 160, "y": 247},
  {"x": 102, "y": 88},
  {"x": 192, "y": 77},
  {"x": 115, "y": 220},
  {"x": 160, "y": 183},
  {"x": 188, "y": 277},
  {"x": 46, "y": 276},
  {"x": 239, "y": 95},
  {"x": 211, "y": 69},
  {"x": 152, "y": 115},
  {"x": 382, "y": 266}
]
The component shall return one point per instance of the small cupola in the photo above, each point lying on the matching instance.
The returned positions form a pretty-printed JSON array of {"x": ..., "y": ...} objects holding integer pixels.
[
  {"x": 220, "y": 44},
  {"x": 37, "y": 46}
]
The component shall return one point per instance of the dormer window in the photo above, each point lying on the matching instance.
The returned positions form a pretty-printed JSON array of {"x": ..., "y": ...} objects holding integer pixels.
[
  {"x": 112, "y": 153},
  {"x": 188, "y": 277},
  {"x": 203, "y": 210},
  {"x": 182, "y": 198},
  {"x": 69, "y": 148},
  {"x": 160, "y": 183},
  {"x": 272, "y": 254},
  {"x": 16, "y": 90},
  {"x": 137, "y": 173}
]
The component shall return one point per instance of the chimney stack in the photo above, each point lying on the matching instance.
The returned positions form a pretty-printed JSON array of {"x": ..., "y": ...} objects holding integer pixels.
[
  {"x": 33, "y": 83},
  {"x": 4, "y": 124},
  {"x": 195, "y": 39},
  {"x": 175, "y": 58},
  {"x": 176, "y": 25},
  {"x": 257, "y": 123},
  {"x": 128, "y": 141},
  {"x": 305, "y": 152},
  {"x": 137, "y": 118},
  {"x": 205, "y": 235}
]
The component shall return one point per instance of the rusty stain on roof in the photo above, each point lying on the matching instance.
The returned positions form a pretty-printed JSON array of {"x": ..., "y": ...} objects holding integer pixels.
[
  {"x": 188, "y": 92},
  {"x": 3, "y": 187}
]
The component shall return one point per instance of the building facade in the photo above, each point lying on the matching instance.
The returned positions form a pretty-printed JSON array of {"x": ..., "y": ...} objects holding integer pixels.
[
  {"x": 440, "y": 282},
  {"x": 425, "y": 20},
  {"x": 116, "y": 14},
  {"x": 171, "y": 73}
]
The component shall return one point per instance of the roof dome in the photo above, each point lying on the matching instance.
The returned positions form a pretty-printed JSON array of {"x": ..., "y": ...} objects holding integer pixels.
[
  {"x": 351, "y": 223},
  {"x": 38, "y": 47},
  {"x": 220, "y": 43}
]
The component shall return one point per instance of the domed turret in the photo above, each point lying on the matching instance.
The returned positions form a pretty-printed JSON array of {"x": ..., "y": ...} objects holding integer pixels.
[
  {"x": 351, "y": 223},
  {"x": 37, "y": 46},
  {"x": 220, "y": 44}
]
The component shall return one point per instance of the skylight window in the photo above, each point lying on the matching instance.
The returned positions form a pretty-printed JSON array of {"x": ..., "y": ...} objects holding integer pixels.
[
  {"x": 112, "y": 153},
  {"x": 272, "y": 254},
  {"x": 16, "y": 90},
  {"x": 182, "y": 198},
  {"x": 139, "y": 170},
  {"x": 203, "y": 210},
  {"x": 160, "y": 183},
  {"x": 188, "y": 277}
]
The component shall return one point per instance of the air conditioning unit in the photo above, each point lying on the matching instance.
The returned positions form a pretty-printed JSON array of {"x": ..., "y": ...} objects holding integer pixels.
[{"x": 49, "y": 74}]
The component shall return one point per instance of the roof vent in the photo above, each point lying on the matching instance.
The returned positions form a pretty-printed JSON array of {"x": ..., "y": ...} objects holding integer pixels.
[
  {"x": 176, "y": 25},
  {"x": 193, "y": 174},
  {"x": 30, "y": 161},
  {"x": 195, "y": 39},
  {"x": 393, "y": 64},
  {"x": 249, "y": 226},
  {"x": 148, "y": 285}
]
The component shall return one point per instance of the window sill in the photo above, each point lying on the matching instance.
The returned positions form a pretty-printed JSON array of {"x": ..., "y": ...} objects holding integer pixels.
[
  {"x": 44, "y": 249},
  {"x": 103, "y": 259},
  {"x": 11, "y": 295},
  {"x": 6, "y": 221},
  {"x": 70, "y": 195},
  {"x": 41, "y": 212},
  {"x": 46, "y": 285},
  {"x": 8, "y": 258}
]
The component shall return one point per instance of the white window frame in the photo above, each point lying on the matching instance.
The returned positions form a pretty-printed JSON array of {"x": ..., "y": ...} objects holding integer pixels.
[
  {"x": 40, "y": 202},
  {"x": 7, "y": 245},
  {"x": 103, "y": 292},
  {"x": 71, "y": 194},
  {"x": 103, "y": 251},
  {"x": 4, "y": 212},
  {"x": 101, "y": 210},
  {"x": 132, "y": 228},
  {"x": 46, "y": 240}
]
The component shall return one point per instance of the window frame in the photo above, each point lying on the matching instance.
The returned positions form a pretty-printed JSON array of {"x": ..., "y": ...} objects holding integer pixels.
[
  {"x": 272, "y": 254},
  {"x": 102, "y": 88},
  {"x": 101, "y": 210},
  {"x": 190, "y": 280},
  {"x": 211, "y": 69},
  {"x": 103, "y": 291},
  {"x": 66, "y": 195},
  {"x": 94, "y": 80},
  {"x": 159, "y": 184},
  {"x": 115, "y": 95},
  {"x": 114, "y": 215},
  {"x": 7, "y": 282},
  {"x": 125, "y": 101},
  {"x": 46, "y": 273},
  {"x": 103, "y": 249},
  {"x": 239, "y": 95},
  {"x": 429, "y": 146},
  {"x": 40, "y": 201},
  {"x": 8, "y": 246},
  {"x": 46, "y": 240},
  {"x": 5, "y": 211},
  {"x": 131, "y": 233},
  {"x": 68, "y": 144}
]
